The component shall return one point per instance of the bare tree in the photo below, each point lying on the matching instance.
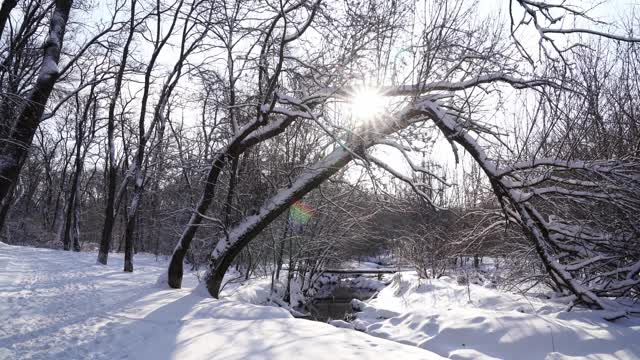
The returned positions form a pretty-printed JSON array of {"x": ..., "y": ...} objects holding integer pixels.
[
  {"x": 111, "y": 168},
  {"x": 14, "y": 151},
  {"x": 29, "y": 110},
  {"x": 512, "y": 182}
]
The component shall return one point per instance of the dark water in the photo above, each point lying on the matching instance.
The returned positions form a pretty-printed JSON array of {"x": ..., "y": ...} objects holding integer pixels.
[{"x": 337, "y": 306}]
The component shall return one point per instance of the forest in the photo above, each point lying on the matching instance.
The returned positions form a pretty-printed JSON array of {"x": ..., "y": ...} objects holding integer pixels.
[{"x": 271, "y": 140}]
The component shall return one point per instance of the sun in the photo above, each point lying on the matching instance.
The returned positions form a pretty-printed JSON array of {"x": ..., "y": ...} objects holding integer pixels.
[{"x": 366, "y": 103}]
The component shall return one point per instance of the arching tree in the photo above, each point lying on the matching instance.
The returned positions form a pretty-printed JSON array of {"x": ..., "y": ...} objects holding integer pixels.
[{"x": 458, "y": 64}]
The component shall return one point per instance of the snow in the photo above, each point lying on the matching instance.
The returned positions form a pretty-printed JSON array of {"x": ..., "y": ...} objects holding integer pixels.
[
  {"x": 341, "y": 324},
  {"x": 61, "y": 305},
  {"x": 48, "y": 70},
  {"x": 254, "y": 291},
  {"x": 362, "y": 282},
  {"x": 436, "y": 314}
]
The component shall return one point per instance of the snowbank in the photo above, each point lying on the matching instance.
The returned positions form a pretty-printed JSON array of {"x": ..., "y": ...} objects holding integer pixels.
[
  {"x": 362, "y": 282},
  {"x": 477, "y": 322}
]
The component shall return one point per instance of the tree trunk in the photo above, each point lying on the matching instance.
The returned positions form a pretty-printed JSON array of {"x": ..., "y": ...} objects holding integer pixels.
[
  {"x": 281, "y": 250},
  {"x": 5, "y": 10},
  {"x": 143, "y": 138},
  {"x": 243, "y": 233},
  {"x": 76, "y": 224},
  {"x": 238, "y": 145},
  {"x": 109, "y": 215},
  {"x": 5, "y": 205},
  {"x": 131, "y": 225},
  {"x": 109, "y": 218},
  {"x": 175, "y": 266},
  {"x": 239, "y": 236},
  {"x": 14, "y": 152},
  {"x": 71, "y": 202}
]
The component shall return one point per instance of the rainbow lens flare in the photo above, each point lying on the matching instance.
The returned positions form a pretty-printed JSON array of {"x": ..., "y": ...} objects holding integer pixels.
[{"x": 300, "y": 213}]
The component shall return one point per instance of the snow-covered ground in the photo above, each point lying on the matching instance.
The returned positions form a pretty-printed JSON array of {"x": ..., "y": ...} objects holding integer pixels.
[
  {"x": 61, "y": 305},
  {"x": 477, "y": 322}
]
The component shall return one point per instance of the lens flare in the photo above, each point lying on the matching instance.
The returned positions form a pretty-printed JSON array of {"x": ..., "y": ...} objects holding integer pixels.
[{"x": 300, "y": 213}]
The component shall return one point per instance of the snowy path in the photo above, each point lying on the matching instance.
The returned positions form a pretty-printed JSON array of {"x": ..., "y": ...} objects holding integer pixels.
[{"x": 61, "y": 305}]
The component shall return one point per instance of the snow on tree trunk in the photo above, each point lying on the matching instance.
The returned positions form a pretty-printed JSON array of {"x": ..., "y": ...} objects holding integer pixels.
[
  {"x": 583, "y": 259},
  {"x": 176, "y": 270},
  {"x": 229, "y": 246},
  {"x": 248, "y": 136},
  {"x": 14, "y": 152}
]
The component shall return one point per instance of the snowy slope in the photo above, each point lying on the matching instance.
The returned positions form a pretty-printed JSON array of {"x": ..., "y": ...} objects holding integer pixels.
[
  {"x": 61, "y": 305},
  {"x": 437, "y": 315}
]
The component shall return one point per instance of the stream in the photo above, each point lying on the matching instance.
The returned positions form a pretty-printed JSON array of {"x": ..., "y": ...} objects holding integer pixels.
[{"x": 337, "y": 306}]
